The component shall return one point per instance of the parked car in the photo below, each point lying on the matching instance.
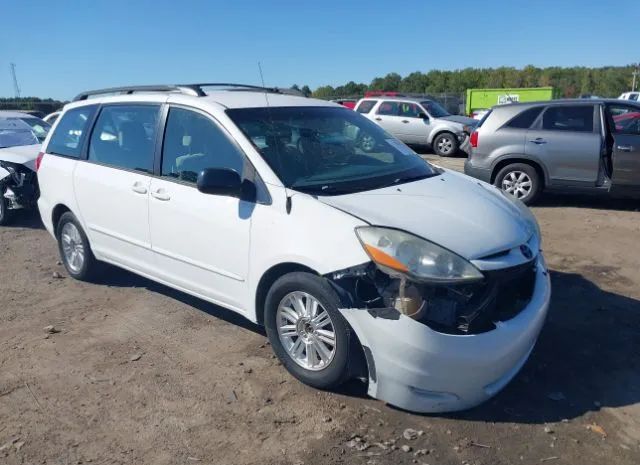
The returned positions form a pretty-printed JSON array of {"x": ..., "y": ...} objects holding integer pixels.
[
  {"x": 20, "y": 137},
  {"x": 630, "y": 96},
  {"x": 566, "y": 145},
  {"x": 359, "y": 263},
  {"x": 418, "y": 122},
  {"x": 52, "y": 117},
  {"x": 350, "y": 103}
]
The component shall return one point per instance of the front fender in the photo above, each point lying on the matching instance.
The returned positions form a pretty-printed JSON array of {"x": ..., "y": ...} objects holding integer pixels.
[{"x": 441, "y": 127}]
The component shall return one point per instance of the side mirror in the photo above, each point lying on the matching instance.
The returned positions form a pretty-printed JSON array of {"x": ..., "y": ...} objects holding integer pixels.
[
  {"x": 423, "y": 115},
  {"x": 220, "y": 181}
]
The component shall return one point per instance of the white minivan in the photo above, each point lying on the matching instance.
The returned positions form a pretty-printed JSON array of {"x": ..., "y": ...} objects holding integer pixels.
[{"x": 359, "y": 263}]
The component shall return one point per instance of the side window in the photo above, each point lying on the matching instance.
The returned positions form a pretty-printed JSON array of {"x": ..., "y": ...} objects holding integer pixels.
[
  {"x": 408, "y": 110},
  {"x": 366, "y": 106},
  {"x": 192, "y": 143},
  {"x": 124, "y": 137},
  {"x": 388, "y": 108},
  {"x": 525, "y": 119},
  {"x": 71, "y": 132},
  {"x": 624, "y": 119},
  {"x": 568, "y": 118}
]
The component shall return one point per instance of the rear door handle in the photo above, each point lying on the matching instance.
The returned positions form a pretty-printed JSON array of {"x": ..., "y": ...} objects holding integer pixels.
[
  {"x": 161, "y": 194},
  {"x": 405, "y": 120},
  {"x": 139, "y": 188},
  {"x": 538, "y": 141},
  {"x": 378, "y": 119},
  {"x": 625, "y": 148}
]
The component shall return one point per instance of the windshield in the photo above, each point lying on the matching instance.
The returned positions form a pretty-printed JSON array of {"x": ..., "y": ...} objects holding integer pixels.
[
  {"x": 15, "y": 132},
  {"x": 39, "y": 127},
  {"x": 435, "y": 109},
  {"x": 328, "y": 151}
]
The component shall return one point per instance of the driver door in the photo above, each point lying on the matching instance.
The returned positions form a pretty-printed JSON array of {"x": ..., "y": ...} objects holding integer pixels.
[
  {"x": 624, "y": 124},
  {"x": 200, "y": 241}
]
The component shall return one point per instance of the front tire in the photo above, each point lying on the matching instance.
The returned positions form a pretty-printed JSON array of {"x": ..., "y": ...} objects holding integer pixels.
[
  {"x": 307, "y": 332},
  {"x": 445, "y": 144},
  {"x": 75, "y": 250},
  {"x": 520, "y": 180}
]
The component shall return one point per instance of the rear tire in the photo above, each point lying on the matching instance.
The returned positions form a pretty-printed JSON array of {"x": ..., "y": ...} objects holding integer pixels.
[
  {"x": 295, "y": 335},
  {"x": 520, "y": 180},
  {"x": 75, "y": 251},
  {"x": 445, "y": 144}
]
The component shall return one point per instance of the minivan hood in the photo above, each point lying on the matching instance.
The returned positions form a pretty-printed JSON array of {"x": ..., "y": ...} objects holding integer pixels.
[
  {"x": 461, "y": 119},
  {"x": 463, "y": 215},
  {"x": 22, "y": 154}
]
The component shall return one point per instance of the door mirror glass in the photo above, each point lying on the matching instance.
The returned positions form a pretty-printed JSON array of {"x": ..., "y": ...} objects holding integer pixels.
[{"x": 220, "y": 181}]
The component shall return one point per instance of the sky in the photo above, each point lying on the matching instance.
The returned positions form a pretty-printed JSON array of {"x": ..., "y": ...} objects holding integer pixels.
[{"x": 63, "y": 47}]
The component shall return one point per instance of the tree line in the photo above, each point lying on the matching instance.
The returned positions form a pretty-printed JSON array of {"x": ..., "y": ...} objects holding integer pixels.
[{"x": 607, "y": 81}]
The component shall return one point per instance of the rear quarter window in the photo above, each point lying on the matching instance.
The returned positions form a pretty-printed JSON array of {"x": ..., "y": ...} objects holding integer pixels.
[
  {"x": 70, "y": 133},
  {"x": 366, "y": 106},
  {"x": 525, "y": 119}
]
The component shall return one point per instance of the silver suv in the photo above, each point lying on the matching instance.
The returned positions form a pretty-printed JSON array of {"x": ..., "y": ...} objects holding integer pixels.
[
  {"x": 573, "y": 145},
  {"x": 418, "y": 121}
]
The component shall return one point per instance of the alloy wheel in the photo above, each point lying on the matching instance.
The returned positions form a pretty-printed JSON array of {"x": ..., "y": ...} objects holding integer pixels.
[
  {"x": 72, "y": 247},
  {"x": 517, "y": 183},
  {"x": 367, "y": 143},
  {"x": 445, "y": 145},
  {"x": 306, "y": 331}
]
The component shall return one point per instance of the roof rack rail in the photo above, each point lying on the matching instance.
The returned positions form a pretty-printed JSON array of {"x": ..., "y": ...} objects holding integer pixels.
[{"x": 189, "y": 89}]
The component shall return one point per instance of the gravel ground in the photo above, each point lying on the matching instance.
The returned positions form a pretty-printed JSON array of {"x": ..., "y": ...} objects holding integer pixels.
[{"x": 141, "y": 374}]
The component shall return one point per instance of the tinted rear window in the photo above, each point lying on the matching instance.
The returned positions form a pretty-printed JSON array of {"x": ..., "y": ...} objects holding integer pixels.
[
  {"x": 484, "y": 118},
  {"x": 71, "y": 132},
  {"x": 366, "y": 106},
  {"x": 525, "y": 119},
  {"x": 568, "y": 118}
]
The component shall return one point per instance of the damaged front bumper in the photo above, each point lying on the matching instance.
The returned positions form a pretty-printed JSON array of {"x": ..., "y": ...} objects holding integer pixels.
[
  {"x": 18, "y": 186},
  {"x": 426, "y": 364}
]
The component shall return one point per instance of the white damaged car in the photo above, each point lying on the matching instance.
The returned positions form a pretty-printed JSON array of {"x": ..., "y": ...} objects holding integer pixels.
[
  {"x": 359, "y": 262},
  {"x": 20, "y": 137}
]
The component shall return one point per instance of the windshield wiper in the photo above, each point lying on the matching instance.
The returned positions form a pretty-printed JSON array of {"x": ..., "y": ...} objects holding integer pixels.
[{"x": 405, "y": 179}]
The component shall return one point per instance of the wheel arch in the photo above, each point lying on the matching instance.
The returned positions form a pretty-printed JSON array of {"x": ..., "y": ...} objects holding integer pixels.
[
  {"x": 271, "y": 276},
  {"x": 59, "y": 210},
  {"x": 519, "y": 159},
  {"x": 441, "y": 130}
]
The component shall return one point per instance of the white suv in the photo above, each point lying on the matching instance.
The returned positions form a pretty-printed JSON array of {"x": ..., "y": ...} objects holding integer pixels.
[{"x": 359, "y": 263}]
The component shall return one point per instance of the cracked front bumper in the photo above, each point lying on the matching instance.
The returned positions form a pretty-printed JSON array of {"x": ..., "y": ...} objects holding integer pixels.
[{"x": 422, "y": 370}]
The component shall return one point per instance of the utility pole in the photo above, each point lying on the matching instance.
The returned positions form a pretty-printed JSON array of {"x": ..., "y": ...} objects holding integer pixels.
[
  {"x": 16, "y": 88},
  {"x": 636, "y": 73}
]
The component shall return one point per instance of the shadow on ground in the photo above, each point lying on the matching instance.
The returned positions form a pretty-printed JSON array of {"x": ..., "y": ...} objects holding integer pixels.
[
  {"x": 117, "y": 277},
  {"x": 25, "y": 219},
  {"x": 599, "y": 202},
  {"x": 586, "y": 358}
]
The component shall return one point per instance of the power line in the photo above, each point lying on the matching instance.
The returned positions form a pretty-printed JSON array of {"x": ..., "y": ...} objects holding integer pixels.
[{"x": 16, "y": 87}]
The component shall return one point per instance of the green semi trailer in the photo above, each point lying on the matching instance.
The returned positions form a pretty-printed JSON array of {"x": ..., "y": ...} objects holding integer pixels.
[{"x": 483, "y": 99}]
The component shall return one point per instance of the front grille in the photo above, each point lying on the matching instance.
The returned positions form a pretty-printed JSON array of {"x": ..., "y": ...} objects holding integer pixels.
[{"x": 474, "y": 308}]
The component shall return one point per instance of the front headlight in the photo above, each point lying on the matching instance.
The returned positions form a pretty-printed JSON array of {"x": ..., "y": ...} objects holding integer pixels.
[{"x": 399, "y": 253}]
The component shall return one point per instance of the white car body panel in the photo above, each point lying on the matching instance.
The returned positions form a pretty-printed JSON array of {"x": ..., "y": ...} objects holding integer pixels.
[
  {"x": 219, "y": 248},
  {"x": 23, "y": 154},
  {"x": 438, "y": 209}
]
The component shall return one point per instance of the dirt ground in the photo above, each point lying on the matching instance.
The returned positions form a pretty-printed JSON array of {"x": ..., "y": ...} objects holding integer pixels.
[{"x": 142, "y": 374}]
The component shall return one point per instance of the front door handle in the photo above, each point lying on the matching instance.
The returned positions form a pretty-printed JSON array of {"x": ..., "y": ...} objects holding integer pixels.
[
  {"x": 378, "y": 119},
  {"x": 405, "y": 121},
  {"x": 625, "y": 148},
  {"x": 161, "y": 194},
  {"x": 139, "y": 188},
  {"x": 538, "y": 141}
]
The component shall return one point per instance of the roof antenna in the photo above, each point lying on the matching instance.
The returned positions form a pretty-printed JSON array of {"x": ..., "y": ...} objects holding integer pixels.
[{"x": 266, "y": 97}]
